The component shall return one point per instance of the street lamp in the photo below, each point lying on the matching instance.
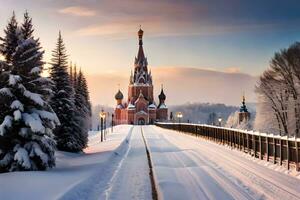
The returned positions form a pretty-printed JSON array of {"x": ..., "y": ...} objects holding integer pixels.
[
  {"x": 179, "y": 116},
  {"x": 102, "y": 118},
  {"x": 105, "y": 131},
  {"x": 112, "y": 122},
  {"x": 220, "y": 121}
]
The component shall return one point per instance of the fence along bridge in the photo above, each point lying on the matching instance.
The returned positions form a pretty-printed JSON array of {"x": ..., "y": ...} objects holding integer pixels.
[{"x": 272, "y": 148}]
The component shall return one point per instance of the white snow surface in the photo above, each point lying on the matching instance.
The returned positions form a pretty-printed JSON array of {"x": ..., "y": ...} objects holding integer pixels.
[
  {"x": 184, "y": 167},
  {"x": 76, "y": 176}
]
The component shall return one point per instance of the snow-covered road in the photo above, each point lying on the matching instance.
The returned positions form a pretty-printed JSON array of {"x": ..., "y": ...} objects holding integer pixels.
[
  {"x": 131, "y": 179},
  {"x": 186, "y": 167}
]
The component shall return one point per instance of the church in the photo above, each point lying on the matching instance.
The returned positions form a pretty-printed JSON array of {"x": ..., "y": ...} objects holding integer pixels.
[{"x": 140, "y": 107}]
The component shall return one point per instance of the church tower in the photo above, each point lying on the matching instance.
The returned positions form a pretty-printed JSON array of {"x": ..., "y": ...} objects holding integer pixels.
[
  {"x": 140, "y": 107},
  {"x": 244, "y": 114}
]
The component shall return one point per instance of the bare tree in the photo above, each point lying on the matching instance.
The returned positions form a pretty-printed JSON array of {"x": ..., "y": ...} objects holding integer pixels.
[
  {"x": 273, "y": 94},
  {"x": 280, "y": 85}
]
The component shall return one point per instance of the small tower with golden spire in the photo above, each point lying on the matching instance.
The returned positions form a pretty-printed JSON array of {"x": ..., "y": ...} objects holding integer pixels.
[{"x": 244, "y": 114}]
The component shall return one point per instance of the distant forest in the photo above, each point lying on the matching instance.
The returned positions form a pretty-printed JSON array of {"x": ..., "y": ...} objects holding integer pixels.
[{"x": 205, "y": 113}]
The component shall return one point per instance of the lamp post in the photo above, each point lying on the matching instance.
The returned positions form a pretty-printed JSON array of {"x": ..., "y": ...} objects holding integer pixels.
[
  {"x": 105, "y": 131},
  {"x": 112, "y": 122},
  {"x": 102, "y": 117},
  {"x": 179, "y": 116},
  {"x": 220, "y": 121}
]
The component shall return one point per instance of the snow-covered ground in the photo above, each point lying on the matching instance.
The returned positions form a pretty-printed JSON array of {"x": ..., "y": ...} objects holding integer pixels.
[
  {"x": 184, "y": 167},
  {"x": 76, "y": 176}
]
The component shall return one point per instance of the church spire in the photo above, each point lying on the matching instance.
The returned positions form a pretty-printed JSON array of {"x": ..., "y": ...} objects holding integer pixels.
[{"x": 243, "y": 107}]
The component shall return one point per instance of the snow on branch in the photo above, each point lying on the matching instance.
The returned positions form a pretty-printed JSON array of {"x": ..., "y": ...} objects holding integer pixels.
[
  {"x": 16, "y": 104},
  {"x": 17, "y": 115},
  {"x": 14, "y": 79},
  {"x": 34, "y": 97},
  {"x": 47, "y": 115},
  {"x": 36, "y": 70},
  {"x": 34, "y": 122},
  {"x": 7, "y": 123},
  {"x": 22, "y": 157},
  {"x": 6, "y": 91}
]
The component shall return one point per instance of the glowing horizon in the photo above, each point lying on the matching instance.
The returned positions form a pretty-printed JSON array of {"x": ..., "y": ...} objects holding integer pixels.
[{"x": 237, "y": 37}]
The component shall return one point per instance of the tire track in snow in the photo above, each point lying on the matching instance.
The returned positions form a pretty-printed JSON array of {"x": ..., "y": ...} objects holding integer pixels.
[
  {"x": 113, "y": 178},
  {"x": 131, "y": 178},
  {"x": 153, "y": 185}
]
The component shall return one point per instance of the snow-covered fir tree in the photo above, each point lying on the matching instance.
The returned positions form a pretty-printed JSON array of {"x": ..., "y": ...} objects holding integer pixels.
[
  {"x": 68, "y": 135},
  {"x": 4, "y": 75},
  {"x": 10, "y": 40},
  {"x": 85, "y": 92},
  {"x": 83, "y": 106},
  {"x": 26, "y": 138},
  {"x": 27, "y": 27}
]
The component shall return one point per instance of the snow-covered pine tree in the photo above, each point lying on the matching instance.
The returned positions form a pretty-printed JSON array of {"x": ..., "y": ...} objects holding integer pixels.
[
  {"x": 67, "y": 134},
  {"x": 82, "y": 108},
  {"x": 86, "y": 95},
  {"x": 71, "y": 74},
  {"x": 10, "y": 40},
  {"x": 27, "y": 27},
  {"x": 4, "y": 75},
  {"x": 26, "y": 132},
  {"x": 75, "y": 76}
]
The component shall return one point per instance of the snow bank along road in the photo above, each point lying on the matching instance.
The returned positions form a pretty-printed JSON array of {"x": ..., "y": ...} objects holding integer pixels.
[{"x": 184, "y": 167}]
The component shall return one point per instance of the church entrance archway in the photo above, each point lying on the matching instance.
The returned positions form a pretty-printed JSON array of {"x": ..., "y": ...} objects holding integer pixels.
[{"x": 141, "y": 121}]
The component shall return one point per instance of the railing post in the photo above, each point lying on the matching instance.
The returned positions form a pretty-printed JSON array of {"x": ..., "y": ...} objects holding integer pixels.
[
  {"x": 260, "y": 148},
  {"x": 230, "y": 138},
  {"x": 288, "y": 153},
  {"x": 280, "y": 162},
  {"x": 227, "y": 137},
  {"x": 274, "y": 150},
  {"x": 223, "y": 136},
  {"x": 240, "y": 147},
  {"x": 297, "y": 154},
  {"x": 254, "y": 145},
  {"x": 243, "y": 143},
  {"x": 267, "y": 147},
  {"x": 248, "y": 144}
]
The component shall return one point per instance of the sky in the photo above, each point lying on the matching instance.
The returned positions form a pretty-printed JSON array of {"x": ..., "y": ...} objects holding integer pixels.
[{"x": 228, "y": 37}]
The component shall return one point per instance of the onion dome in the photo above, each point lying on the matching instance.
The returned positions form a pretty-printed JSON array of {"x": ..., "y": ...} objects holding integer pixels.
[
  {"x": 119, "y": 95},
  {"x": 162, "y": 95},
  {"x": 140, "y": 32}
]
